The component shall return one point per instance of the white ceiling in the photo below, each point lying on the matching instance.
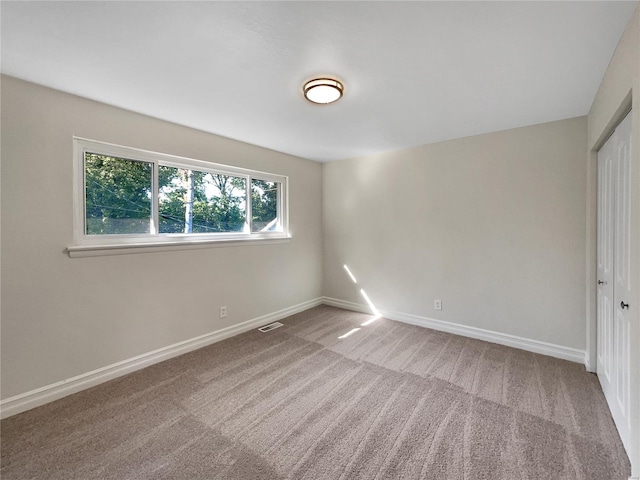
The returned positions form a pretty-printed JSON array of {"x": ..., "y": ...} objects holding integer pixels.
[{"x": 414, "y": 72}]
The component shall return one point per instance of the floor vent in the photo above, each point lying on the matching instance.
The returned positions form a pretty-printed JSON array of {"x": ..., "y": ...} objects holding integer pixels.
[{"x": 271, "y": 326}]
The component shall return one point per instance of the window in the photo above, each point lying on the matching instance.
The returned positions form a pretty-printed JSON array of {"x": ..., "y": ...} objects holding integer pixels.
[
  {"x": 195, "y": 201},
  {"x": 117, "y": 195},
  {"x": 127, "y": 197}
]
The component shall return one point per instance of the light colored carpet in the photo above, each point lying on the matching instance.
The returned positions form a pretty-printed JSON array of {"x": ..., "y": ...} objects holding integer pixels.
[{"x": 389, "y": 401}]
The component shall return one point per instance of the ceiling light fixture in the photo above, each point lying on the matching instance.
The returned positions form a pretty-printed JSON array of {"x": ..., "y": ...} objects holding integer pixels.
[{"x": 323, "y": 90}]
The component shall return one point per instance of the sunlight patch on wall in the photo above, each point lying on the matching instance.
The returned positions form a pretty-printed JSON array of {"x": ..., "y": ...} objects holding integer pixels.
[
  {"x": 376, "y": 313},
  {"x": 370, "y": 303},
  {"x": 350, "y": 274}
]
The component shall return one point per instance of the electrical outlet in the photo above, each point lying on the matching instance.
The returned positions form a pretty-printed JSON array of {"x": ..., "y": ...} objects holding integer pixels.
[
  {"x": 437, "y": 304},
  {"x": 223, "y": 312}
]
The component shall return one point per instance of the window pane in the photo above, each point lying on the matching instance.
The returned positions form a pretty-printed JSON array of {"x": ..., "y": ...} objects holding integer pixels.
[
  {"x": 264, "y": 206},
  {"x": 191, "y": 201},
  {"x": 118, "y": 195}
]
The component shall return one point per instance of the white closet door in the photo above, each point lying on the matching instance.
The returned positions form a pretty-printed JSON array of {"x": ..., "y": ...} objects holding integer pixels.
[
  {"x": 614, "y": 285},
  {"x": 606, "y": 176}
]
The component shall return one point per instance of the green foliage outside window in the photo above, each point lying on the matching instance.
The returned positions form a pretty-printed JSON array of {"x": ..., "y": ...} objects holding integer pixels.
[
  {"x": 200, "y": 202},
  {"x": 118, "y": 195},
  {"x": 264, "y": 205},
  {"x": 119, "y": 199}
]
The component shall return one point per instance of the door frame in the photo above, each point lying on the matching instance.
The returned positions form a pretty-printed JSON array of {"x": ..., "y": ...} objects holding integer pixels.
[
  {"x": 612, "y": 249},
  {"x": 601, "y": 135},
  {"x": 590, "y": 359}
]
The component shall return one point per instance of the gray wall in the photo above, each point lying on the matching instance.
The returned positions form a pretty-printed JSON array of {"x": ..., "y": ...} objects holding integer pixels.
[
  {"x": 619, "y": 90},
  {"x": 493, "y": 225},
  {"x": 62, "y": 317}
]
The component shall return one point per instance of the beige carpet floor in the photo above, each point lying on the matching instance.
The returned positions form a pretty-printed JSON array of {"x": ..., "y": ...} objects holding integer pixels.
[{"x": 390, "y": 401}]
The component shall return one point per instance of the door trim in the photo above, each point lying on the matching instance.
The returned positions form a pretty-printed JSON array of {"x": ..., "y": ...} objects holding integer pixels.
[{"x": 591, "y": 274}]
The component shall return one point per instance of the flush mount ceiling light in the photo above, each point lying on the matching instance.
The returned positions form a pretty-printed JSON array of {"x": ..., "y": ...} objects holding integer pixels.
[{"x": 323, "y": 90}]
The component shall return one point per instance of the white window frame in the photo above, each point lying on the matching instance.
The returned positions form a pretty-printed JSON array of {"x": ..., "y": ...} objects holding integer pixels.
[{"x": 89, "y": 245}]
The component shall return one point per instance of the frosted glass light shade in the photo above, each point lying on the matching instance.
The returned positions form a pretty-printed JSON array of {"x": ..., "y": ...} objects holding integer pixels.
[{"x": 323, "y": 90}]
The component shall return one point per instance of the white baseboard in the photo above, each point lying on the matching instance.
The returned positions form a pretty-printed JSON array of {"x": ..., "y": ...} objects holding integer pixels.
[
  {"x": 355, "y": 307},
  {"x": 40, "y": 396},
  {"x": 536, "y": 346},
  {"x": 587, "y": 363}
]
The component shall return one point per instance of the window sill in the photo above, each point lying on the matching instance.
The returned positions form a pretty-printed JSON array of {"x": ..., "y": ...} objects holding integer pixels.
[{"x": 78, "y": 251}]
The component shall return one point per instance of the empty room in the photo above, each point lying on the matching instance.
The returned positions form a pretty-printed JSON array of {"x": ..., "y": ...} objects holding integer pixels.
[{"x": 320, "y": 240}]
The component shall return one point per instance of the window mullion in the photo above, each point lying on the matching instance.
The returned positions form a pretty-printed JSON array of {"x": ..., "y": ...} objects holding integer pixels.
[
  {"x": 280, "y": 206},
  {"x": 155, "y": 200},
  {"x": 249, "y": 221},
  {"x": 81, "y": 196}
]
